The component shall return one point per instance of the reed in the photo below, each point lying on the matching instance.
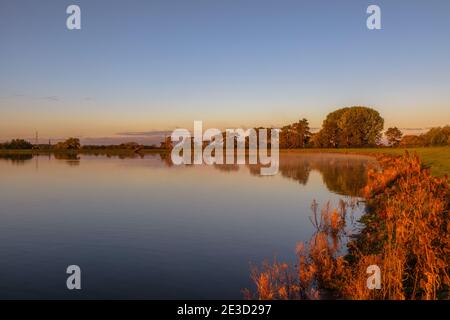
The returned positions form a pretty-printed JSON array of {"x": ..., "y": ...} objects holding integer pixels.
[{"x": 406, "y": 233}]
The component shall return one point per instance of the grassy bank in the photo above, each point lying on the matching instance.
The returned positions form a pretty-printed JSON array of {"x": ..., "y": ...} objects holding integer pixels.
[{"x": 405, "y": 237}]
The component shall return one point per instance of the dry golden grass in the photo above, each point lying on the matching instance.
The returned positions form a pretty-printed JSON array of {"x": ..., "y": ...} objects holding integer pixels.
[
  {"x": 407, "y": 234},
  {"x": 413, "y": 211}
]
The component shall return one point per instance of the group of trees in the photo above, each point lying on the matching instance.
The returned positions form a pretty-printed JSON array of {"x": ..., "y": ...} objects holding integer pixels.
[
  {"x": 439, "y": 136},
  {"x": 134, "y": 146},
  {"x": 20, "y": 144},
  {"x": 69, "y": 144},
  {"x": 16, "y": 144},
  {"x": 74, "y": 144},
  {"x": 350, "y": 127},
  {"x": 344, "y": 128},
  {"x": 357, "y": 127},
  {"x": 296, "y": 135}
]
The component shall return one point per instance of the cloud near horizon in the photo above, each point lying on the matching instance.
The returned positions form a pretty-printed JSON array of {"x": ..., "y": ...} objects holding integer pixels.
[{"x": 145, "y": 133}]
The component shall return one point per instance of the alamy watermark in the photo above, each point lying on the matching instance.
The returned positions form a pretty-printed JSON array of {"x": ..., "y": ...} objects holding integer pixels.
[
  {"x": 374, "y": 20},
  {"x": 74, "y": 280},
  {"x": 374, "y": 278},
  {"x": 73, "y": 21},
  {"x": 233, "y": 146}
]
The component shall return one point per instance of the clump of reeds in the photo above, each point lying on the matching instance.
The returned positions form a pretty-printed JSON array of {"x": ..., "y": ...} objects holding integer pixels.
[
  {"x": 406, "y": 234},
  {"x": 411, "y": 210},
  {"x": 320, "y": 268}
]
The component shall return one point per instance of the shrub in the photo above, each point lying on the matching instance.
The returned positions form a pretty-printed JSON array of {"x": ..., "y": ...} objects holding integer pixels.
[{"x": 16, "y": 144}]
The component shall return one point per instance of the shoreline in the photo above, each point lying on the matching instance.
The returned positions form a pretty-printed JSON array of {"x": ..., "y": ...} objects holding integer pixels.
[
  {"x": 435, "y": 158},
  {"x": 402, "y": 201}
]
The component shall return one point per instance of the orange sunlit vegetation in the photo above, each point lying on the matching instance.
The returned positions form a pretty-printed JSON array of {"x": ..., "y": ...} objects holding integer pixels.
[{"x": 406, "y": 233}]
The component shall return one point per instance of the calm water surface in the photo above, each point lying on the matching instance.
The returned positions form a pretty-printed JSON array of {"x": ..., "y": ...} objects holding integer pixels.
[{"x": 142, "y": 228}]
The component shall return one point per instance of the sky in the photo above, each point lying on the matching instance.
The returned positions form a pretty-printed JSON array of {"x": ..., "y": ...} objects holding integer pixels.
[{"x": 139, "y": 68}]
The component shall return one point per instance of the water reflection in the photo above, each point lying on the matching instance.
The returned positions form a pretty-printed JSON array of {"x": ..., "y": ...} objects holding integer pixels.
[
  {"x": 159, "y": 230},
  {"x": 342, "y": 174},
  {"x": 17, "y": 159},
  {"x": 72, "y": 159}
]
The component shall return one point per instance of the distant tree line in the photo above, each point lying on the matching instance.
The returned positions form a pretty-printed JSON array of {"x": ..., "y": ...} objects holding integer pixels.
[
  {"x": 439, "y": 136},
  {"x": 74, "y": 144},
  {"x": 343, "y": 128},
  {"x": 134, "y": 146},
  {"x": 16, "y": 144},
  {"x": 69, "y": 144},
  {"x": 350, "y": 127},
  {"x": 356, "y": 127}
]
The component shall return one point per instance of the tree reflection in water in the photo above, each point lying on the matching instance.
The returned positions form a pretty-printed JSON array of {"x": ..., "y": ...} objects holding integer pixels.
[
  {"x": 342, "y": 174},
  {"x": 17, "y": 159}
]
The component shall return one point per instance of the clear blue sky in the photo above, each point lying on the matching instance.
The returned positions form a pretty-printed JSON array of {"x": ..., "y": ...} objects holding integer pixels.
[{"x": 155, "y": 65}]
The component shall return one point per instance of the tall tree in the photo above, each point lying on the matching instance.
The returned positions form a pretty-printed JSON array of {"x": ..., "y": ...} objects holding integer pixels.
[
  {"x": 296, "y": 135},
  {"x": 302, "y": 133},
  {"x": 330, "y": 136},
  {"x": 69, "y": 144},
  {"x": 394, "y": 136},
  {"x": 437, "y": 136},
  {"x": 351, "y": 127}
]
